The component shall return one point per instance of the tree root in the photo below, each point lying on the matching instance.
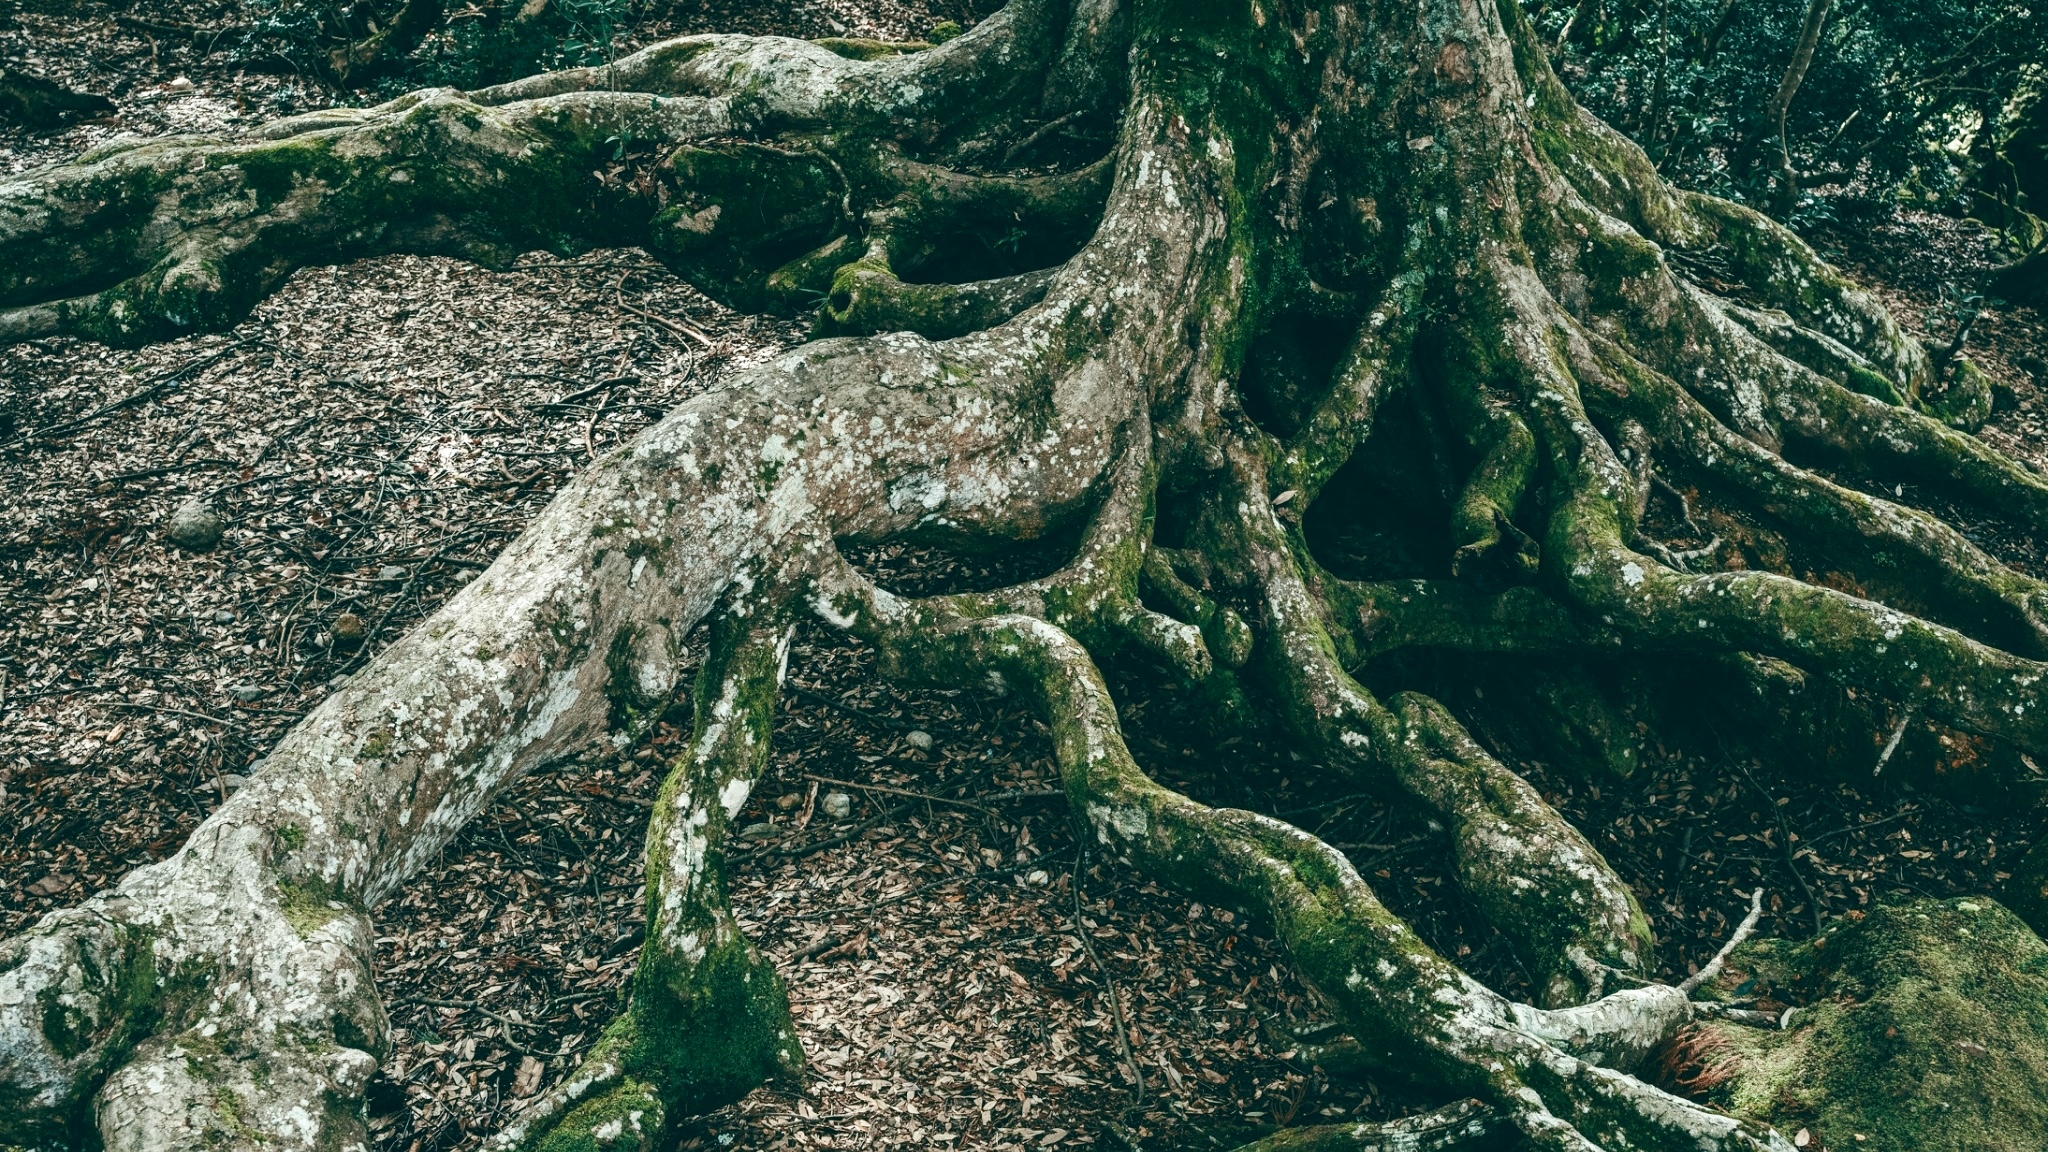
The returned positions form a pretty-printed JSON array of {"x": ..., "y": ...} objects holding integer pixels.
[
  {"x": 1467, "y": 1124},
  {"x": 1932, "y": 565},
  {"x": 1408, "y": 1007},
  {"x": 1176, "y": 349},
  {"x": 709, "y": 1019}
]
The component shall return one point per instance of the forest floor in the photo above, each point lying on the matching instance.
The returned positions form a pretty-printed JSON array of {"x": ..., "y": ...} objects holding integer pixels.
[{"x": 374, "y": 434}]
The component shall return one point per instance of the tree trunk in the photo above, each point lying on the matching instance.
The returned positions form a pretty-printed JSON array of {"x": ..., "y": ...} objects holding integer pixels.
[
  {"x": 1172, "y": 333},
  {"x": 1781, "y": 100}
]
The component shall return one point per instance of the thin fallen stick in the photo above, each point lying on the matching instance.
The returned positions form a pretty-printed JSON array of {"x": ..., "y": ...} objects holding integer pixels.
[
  {"x": 1116, "y": 1000},
  {"x": 1694, "y": 982},
  {"x": 675, "y": 326},
  {"x": 1012, "y": 794}
]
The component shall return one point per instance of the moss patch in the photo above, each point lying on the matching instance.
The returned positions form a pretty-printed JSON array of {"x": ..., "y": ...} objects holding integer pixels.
[{"x": 1925, "y": 1030}]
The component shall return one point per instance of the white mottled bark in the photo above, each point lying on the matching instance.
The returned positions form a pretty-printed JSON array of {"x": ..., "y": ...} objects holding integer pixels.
[{"x": 263, "y": 913}]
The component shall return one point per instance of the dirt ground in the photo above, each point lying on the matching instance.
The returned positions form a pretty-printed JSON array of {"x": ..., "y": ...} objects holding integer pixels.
[{"x": 375, "y": 433}]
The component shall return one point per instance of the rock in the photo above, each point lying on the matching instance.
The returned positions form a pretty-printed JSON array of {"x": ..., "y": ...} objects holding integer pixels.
[
  {"x": 224, "y": 616},
  {"x": 230, "y": 782},
  {"x": 1038, "y": 878},
  {"x": 758, "y": 832},
  {"x": 391, "y": 573},
  {"x": 788, "y": 800},
  {"x": 180, "y": 84},
  {"x": 246, "y": 693},
  {"x": 837, "y": 805},
  {"x": 1922, "y": 1026},
  {"x": 920, "y": 739},
  {"x": 348, "y": 629},
  {"x": 195, "y": 526}
]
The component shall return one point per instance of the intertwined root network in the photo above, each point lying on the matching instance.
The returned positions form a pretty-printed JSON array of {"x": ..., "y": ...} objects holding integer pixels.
[{"x": 1154, "y": 272}]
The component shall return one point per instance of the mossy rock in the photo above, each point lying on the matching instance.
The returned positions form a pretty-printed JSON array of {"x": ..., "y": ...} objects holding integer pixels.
[{"x": 1922, "y": 1027}]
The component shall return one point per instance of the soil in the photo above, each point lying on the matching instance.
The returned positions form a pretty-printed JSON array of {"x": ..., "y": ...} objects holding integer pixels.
[{"x": 373, "y": 434}]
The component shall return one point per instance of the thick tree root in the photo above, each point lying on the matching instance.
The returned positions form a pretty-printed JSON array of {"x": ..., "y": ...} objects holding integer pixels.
[{"x": 1464, "y": 1125}]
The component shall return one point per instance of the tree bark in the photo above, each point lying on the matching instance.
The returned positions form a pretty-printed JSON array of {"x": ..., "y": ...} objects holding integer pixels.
[
  {"x": 1781, "y": 100},
  {"x": 1128, "y": 340}
]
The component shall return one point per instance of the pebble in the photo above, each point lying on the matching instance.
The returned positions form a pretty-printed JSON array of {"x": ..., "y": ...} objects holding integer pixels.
[
  {"x": 391, "y": 572},
  {"x": 180, "y": 84},
  {"x": 246, "y": 693},
  {"x": 920, "y": 739},
  {"x": 758, "y": 832},
  {"x": 224, "y": 616},
  {"x": 195, "y": 526},
  {"x": 837, "y": 805}
]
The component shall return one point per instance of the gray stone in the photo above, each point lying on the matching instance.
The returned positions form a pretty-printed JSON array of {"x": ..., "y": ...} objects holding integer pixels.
[
  {"x": 920, "y": 739},
  {"x": 224, "y": 616},
  {"x": 837, "y": 805},
  {"x": 391, "y": 572},
  {"x": 246, "y": 693},
  {"x": 195, "y": 526},
  {"x": 758, "y": 832}
]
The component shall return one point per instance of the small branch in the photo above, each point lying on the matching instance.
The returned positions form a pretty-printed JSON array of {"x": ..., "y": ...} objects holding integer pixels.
[
  {"x": 1116, "y": 1000},
  {"x": 1892, "y": 745},
  {"x": 1014, "y": 794},
  {"x": 675, "y": 326},
  {"x": 1694, "y": 982},
  {"x": 1791, "y": 858},
  {"x": 1023, "y": 146},
  {"x": 160, "y": 385}
]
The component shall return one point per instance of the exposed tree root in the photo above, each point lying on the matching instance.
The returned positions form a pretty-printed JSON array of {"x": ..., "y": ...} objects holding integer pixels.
[
  {"x": 1174, "y": 349},
  {"x": 1408, "y": 1007},
  {"x": 1465, "y": 1125}
]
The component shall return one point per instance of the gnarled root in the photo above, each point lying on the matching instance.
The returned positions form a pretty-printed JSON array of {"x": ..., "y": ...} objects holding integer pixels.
[{"x": 1410, "y": 1009}]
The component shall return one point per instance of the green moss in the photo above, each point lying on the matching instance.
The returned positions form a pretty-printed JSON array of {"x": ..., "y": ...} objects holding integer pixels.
[
  {"x": 860, "y": 48},
  {"x": 123, "y": 999},
  {"x": 1925, "y": 1030},
  {"x": 630, "y": 706},
  {"x": 309, "y": 904},
  {"x": 625, "y": 1119}
]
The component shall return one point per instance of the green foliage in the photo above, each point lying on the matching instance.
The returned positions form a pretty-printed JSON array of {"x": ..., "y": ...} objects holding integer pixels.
[
  {"x": 403, "y": 44},
  {"x": 1904, "y": 98},
  {"x": 515, "y": 38}
]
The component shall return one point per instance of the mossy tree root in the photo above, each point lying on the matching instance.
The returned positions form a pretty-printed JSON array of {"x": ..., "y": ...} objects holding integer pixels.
[
  {"x": 1408, "y": 1007},
  {"x": 1573, "y": 922},
  {"x": 1466, "y": 1126},
  {"x": 708, "y": 1019},
  {"x": 1185, "y": 351}
]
